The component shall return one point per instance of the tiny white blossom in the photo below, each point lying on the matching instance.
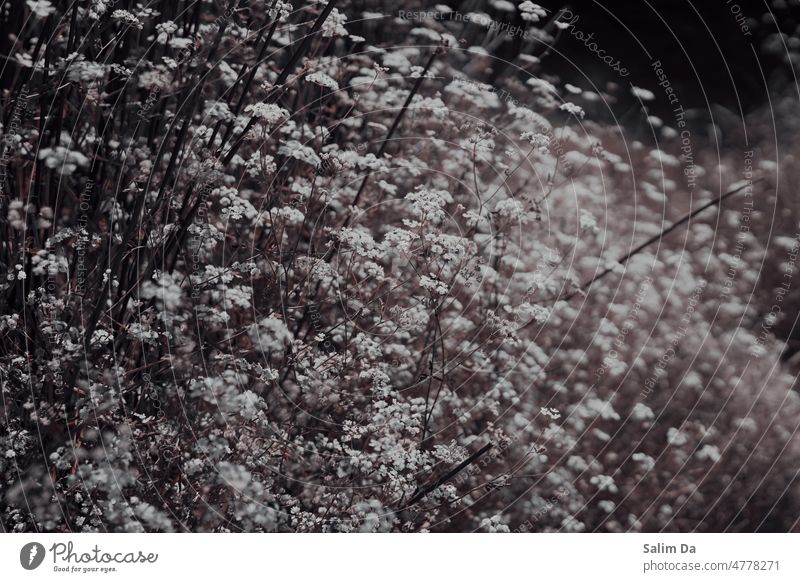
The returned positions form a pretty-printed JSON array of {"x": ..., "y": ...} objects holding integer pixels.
[
  {"x": 125, "y": 17},
  {"x": 41, "y": 8},
  {"x": 531, "y": 12},
  {"x": 551, "y": 413},
  {"x": 323, "y": 80},
  {"x": 643, "y": 94},
  {"x": 294, "y": 149},
  {"x": 709, "y": 453},
  {"x": 269, "y": 113},
  {"x": 573, "y": 109}
]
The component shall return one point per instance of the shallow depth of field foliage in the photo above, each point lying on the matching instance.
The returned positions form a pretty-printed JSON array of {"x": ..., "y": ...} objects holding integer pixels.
[{"x": 296, "y": 267}]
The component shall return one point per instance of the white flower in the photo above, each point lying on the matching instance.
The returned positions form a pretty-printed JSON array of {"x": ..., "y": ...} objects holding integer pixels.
[
  {"x": 192, "y": 467},
  {"x": 258, "y": 162},
  {"x": 387, "y": 187},
  {"x": 645, "y": 460},
  {"x": 323, "y": 80},
  {"x": 573, "y": 109},
  {"x": 165, "y": 290},
  {"x": 747, "y": 424},
  {"x": 218, "y": 110},
  {"x": 267, "y": 112},
  {"x": 642, "y": 94},
  {"x": 708, "y": 453},
  {"x": 588, "y": 221},
  {"x": 428, "y": 203},
  {"x": 41, "y": 8},
  {"x": 577, "y": 463},
  {"x": 551, "y": 413},
  {"x": 98, "y": 8},
  {"x": 142, "y": 333},
  {"x": 642, "y": 412},
  {"x": 361, "y": 242},
  {"x": 237, "y": 297},
  {"x": 234, "y": 476},
  {"x": 101, "y": 336},
  {"x": 502, "y": 5},
  {"x": 607, "y": 505},
  {"x": 281, "y": 11},
  {"x": 125, "y": 17},
  {"x": 120, "y": 70},
  {"x": 531, "y": 12},
  {"x": 604, "y": 409},
  {"x": 603, "y": 483},
  {"x": 84, "y": 71},
  {"x": 250, "y": 404},
  {"x": 541, "y": 86},
  {"x": 235, "y": 207},
  {"x": 334, "y": 24},
  {"x": 510, "y": 209},
  {"x": 537, "y": 139},
  {"x": 494, "y": 524},
  {"x": 165, "y": 30},
  {"x": 676, "y": 437},
  {"x": 270, "y": 334},
  {"x": 291, "y": 215},
  {"x": 63, "y": 158},
  {"x": 433, "y": 285},
  {"x": 472, "y": 218},
  {"x": 535, "y": 312},
  {"x": 480, "y": 94},
  {"x": 294, "y": 149}
]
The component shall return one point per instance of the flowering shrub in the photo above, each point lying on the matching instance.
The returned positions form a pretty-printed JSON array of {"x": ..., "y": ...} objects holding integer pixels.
[{"x": 284, "y": 268}]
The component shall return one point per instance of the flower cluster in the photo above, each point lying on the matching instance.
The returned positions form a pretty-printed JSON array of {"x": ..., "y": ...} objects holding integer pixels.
[{"x": 262, "y": 273}]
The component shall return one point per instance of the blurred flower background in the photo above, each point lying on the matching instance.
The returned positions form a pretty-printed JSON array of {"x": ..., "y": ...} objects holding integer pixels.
[{"x": 340, "y": 266}]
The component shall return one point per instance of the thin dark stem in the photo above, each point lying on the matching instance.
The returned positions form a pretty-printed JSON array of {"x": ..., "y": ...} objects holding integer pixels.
[
  {"x": 684, "y": 219},
  {"x": 284, "y": 74},
  {"x": 431, "y": 487},
  {"x": 395, "y": 125}
]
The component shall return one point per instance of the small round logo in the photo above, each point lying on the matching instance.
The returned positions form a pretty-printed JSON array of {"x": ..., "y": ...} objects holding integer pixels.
[{"x": 31, "y": 555}]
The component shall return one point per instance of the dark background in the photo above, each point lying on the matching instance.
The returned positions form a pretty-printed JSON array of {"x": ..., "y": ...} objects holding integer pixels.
[{"x": 700, "y": 44}]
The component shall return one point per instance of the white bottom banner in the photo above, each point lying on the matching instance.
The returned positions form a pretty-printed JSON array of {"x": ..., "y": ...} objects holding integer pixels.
[{"x": 389, "y": 557}]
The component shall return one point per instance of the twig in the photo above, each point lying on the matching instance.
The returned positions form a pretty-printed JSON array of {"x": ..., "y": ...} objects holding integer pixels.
[
  {"x": 284, "y": 74},
  {"x": 395, "y": 124},
  {"x": 420, "y": 493},
  {"x": 625, "y": 258}
]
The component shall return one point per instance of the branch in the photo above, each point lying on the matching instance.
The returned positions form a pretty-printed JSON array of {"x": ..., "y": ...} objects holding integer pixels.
[
  {"x": 431, "y": 487},
  {"x": 284, "y": 74},
  {"x": 625, "y": 258}
]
